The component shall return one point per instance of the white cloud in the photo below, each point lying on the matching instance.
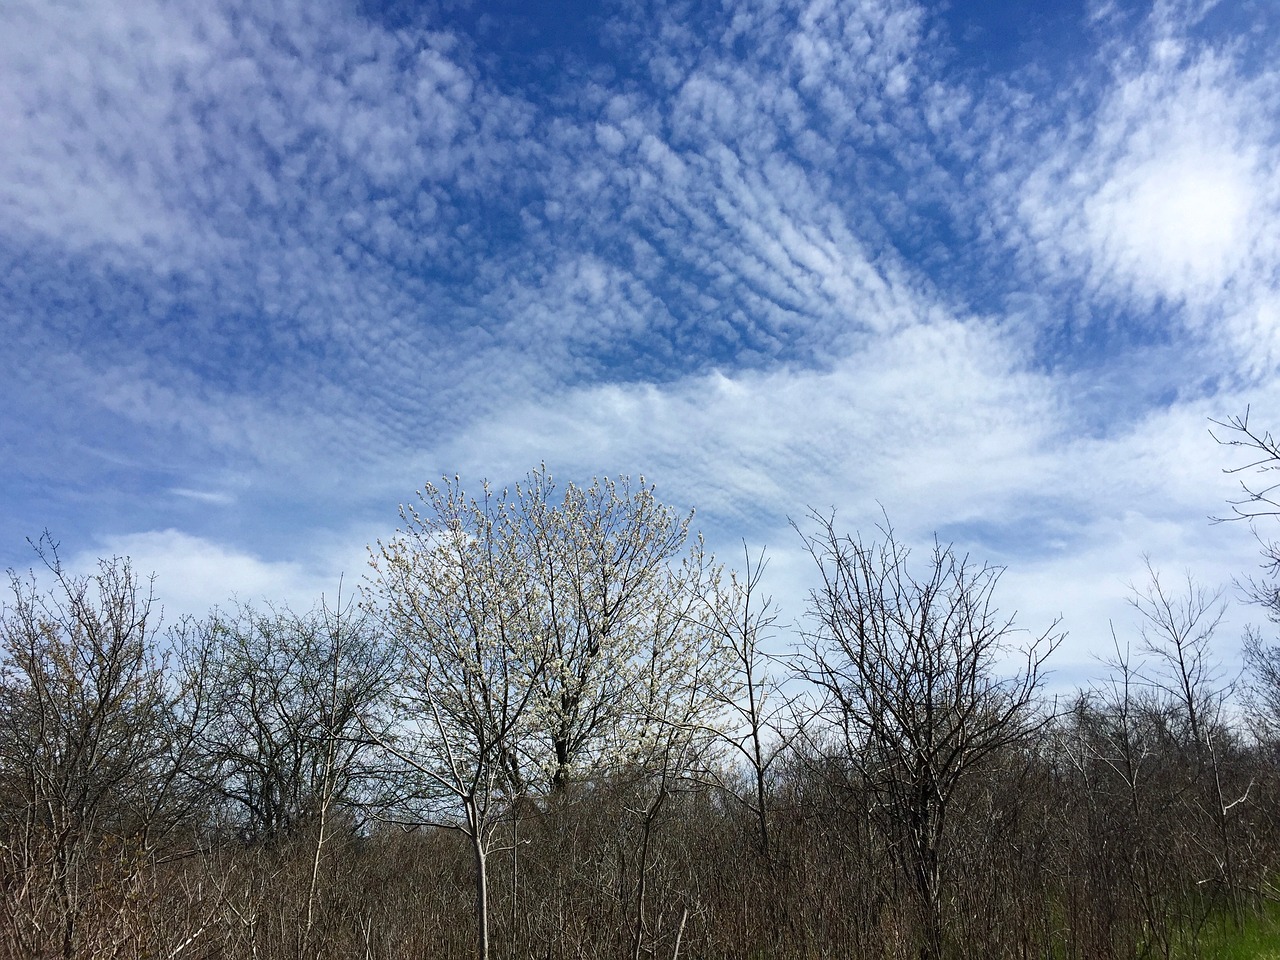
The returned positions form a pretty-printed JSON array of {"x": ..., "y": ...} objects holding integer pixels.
[
  {"x": 261, "y": 161},
  {"x": 217, "y": 498},
  {"x": 392, "y": 270},
  {"x": 69, "y": 95},
  {"x": 195, "y": 574},
  {"x": 939, "y": 423},
  {"x": 945, "y": 427},
  {"x": 1164, "y": 196},
  {"x": 1178, "y": 224}
]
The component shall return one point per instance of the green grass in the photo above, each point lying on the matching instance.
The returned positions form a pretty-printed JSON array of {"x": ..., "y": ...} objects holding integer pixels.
[{"x": 1258, "y": 938}]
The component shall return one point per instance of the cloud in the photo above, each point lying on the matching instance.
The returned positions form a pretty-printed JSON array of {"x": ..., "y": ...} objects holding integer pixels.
[
  {"x": 195, "y": 574},
  {"x": 1170, "y": 185},
  {"x": 948, "y": 428},
  {"x": 1177, "y": 223},
  {"x": 356, "y": 226},
  {"x": 217, "y": 498},
  {"x": 1160, "y": 200},
  {"x": 930, "y": 416},
  {"x": 74, "y": 81},
  {"x": 280, "y": 266}
]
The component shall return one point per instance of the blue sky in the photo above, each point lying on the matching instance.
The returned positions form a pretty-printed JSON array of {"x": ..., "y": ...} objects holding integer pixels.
[{"x": 265, "y": 269}]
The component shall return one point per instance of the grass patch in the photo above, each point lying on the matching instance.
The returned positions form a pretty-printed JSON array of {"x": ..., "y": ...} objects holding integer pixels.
[{"x": 1258, "y": 938}]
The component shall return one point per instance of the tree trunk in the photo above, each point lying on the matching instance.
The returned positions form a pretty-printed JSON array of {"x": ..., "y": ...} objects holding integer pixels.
[
  {"x": 482, "y": 880},
  {"x": 642, "y": 883}
]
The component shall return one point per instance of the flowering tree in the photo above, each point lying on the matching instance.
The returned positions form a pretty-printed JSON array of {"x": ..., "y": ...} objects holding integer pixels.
[
  {"x": 616, "y": 579},
  {"x": 451, "y": 586},
  {"x": 635, "y": 676},
  {"x": 545, "y": 638}
]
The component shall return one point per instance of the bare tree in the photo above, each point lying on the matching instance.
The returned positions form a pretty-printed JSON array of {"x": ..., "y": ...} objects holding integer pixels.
[
  {"x": 1262, "y": 688},
  {"x": 354, "y": 671},
  {"x": 679, "y": 689},
  {"x": 284, "y": 696},
  {"x": 1115, "y": 741},
  {"x": 751, "y": 696},
  {"x": 89, "y": 743},
  {"x": 1259, "y": 499},
  {"x": 909, "y": 668},
  {"x": 1178, "y": 629}
]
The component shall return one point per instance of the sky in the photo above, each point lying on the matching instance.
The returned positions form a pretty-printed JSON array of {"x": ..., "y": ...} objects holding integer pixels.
[{"x": 987, "y": 269}]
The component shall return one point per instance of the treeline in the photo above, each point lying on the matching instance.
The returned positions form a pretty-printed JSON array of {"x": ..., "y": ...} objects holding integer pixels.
[{"x": 549, "y": 725}]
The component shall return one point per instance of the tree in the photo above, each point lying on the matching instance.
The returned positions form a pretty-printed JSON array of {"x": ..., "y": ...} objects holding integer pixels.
[
  {"x": 453, "y": 590},
  {"x": 284, "y": 695},
  {"x": 742, "y": 621},
  {"x": 679, "y": 687},
  {"x": 543, "y": 634},
  {"x": 611, "y": 568},
  {"x": 1259, "y": 500},
  {"x": 908, "y": 668},
  {"x": 1115, "y": 739},
  {"x": 92, "y": 740},
  {"x": 1177, "y": 632},
  {"x": 1262, "y": 688}
]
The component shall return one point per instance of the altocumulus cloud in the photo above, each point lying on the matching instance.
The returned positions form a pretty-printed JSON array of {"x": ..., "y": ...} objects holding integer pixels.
[{"x": 268, "y": 270}]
